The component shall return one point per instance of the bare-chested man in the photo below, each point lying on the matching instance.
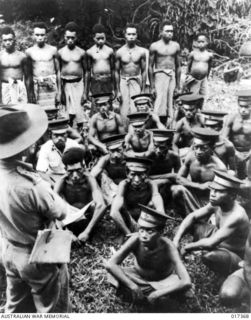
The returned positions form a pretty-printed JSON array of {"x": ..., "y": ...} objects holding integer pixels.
[
  {"x": 139, "y": 140},
  {"x": 192, "y": 193},
  {"x": 223, "y": 148},
  {"x": 157, "y": 270},
  {"x": 238, "y": 131},
  {"x": 164, "y": 71},
  {"x": 104, "y": 123},
  {"x": 183, "y": 137},
  {"x": 43, "y": 70},
  {"x": 130, "y": 70},
  {"x": 198, "y": 67},
  {"x": 143, "y": 103},
  {"x": 13, "y": 70},
  {"x": 224, "y": 241},
  {"x": 100, "y": 64},
  {"x": 72, "y": 64},
  {"x": 134, "y": 190}
]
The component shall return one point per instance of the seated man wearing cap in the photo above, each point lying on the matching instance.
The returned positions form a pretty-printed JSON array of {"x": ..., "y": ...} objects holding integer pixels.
[
  {"x": 225, "y": 241},
  {"x": 104, "y": 123},
  {"x": 79, "y": 188},
  {"x": 183, "y": 137},
  {"x": 191, "y": 194},
  {"x": 111, "y": 167},
  {"x": 158, "y": 269},
  {"x": 236, "y": 288},
  {"x": 223, "y": 148},
  {"x": 139, "y": 141},
  {"x": 165, "y": 161},
  {"x": 135, "y": 189},
  {"x": 238, "y": 131},
  {"x": 143, "y": 103},
  {"x": 50, "y": 155}
]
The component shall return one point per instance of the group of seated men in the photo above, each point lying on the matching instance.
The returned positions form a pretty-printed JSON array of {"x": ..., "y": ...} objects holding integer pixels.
[{"x": 139, "y": 169}]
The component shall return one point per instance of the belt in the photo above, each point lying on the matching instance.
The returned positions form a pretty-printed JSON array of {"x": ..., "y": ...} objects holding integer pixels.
[
  {"x": 71, "y": 80},
  {"x": 27, "y": 246},
  {"x": 13, "y": 81}
]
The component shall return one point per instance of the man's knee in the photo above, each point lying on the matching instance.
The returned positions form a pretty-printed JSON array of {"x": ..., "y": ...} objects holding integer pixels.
[
  {"x": 232, "y": 291},
  {"x": 177, "y": 190},
  {"x": 220, "y": 261}
]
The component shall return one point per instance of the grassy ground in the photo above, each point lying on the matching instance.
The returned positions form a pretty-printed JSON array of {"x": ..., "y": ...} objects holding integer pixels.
[{"x": 90, "y": 291}]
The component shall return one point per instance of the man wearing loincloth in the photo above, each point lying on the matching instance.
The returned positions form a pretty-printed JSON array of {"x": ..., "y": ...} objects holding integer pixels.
[
  {"x": 158, "y": 269},
  {"x": 164, "y": 70},
  {"x": 130, "y": 70},
  {"x": 13, "y": 70},
  {"x": 43, "y": 70},
  {"x": 72, "y": 64},
  {"x": 198, "y": 67},
  {"x": 100, "y": 64}
]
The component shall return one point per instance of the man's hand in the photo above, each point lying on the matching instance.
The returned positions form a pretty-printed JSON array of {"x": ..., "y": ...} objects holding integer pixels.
[
  {"x": 181, "y": 180},
  {"x": 84, "y": 236},
  {"x": 153, "y": 92},
  {"x": 104, "y": 149},
  {"x": 83, "y": 99},
  {"x": 137, "y": 294},
  {"x": 119, "y": 97},
  {"x": 177, "y": 90},
  {"x": 153, "y": 297},
  {"x": 57, "y": 99},
  {"x": 205, "y": 185}
]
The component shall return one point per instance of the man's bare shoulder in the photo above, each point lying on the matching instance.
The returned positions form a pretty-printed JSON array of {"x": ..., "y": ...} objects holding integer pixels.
[
  {"x": 155, "y": 45},
  {"x": 120, "y": 51},
  {"x": 220, "y": 165},
  {"x": 108, "y": 49}
]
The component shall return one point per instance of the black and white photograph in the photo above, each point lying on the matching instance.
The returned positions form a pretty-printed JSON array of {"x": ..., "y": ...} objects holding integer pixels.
[{"x": 125, "y": 158}]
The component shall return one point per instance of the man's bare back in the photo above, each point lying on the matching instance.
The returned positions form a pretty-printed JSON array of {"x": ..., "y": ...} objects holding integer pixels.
[
  {"x": 72, "y": 62},
  {"x": 42, "y": 60}
]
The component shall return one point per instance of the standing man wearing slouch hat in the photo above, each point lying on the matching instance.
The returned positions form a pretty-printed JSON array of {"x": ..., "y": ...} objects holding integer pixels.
[{"x": 27, "y": 205}]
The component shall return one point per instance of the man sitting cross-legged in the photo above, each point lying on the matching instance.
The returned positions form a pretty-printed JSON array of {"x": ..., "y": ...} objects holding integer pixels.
[
  {"x": 191, "y": 194},
  {"x": 158, "y": 269},
  {"x": 111, "y": 167},
  {"x": 79, "y": 188},
  {"x": 135, "y": 189},
  {"x": 224, "y": 241},
  {"x": 139, "y": 140}
]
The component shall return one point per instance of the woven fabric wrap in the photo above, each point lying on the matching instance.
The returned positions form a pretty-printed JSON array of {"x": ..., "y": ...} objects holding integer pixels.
[
  {"x": 14, "y": 92},
  {"x": 45, "y": 89}
]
